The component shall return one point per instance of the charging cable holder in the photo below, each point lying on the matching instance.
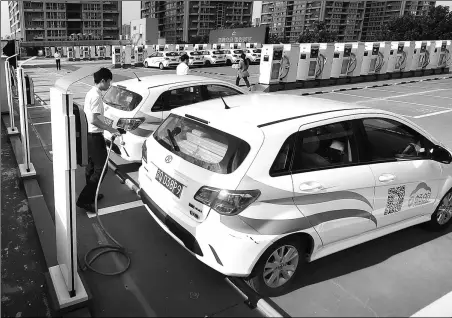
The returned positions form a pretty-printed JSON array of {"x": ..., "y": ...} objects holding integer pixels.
[
  {"x": 12, "y": 129},
  {"x": 26, "y": 168},
  {"x": 65, "y": 278}
]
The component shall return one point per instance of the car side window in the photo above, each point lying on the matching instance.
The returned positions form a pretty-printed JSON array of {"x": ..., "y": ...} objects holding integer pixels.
[
  {"x": 281, "y": 164},
  {"x": 328, "y": 146},
  {"x": 387, "y": 140},
  {"x": 217, "y": 91},
  {"x": 183, "y": 96},
  {"x": 159, "y": 54},
  {"x": 159, "y": 104}
]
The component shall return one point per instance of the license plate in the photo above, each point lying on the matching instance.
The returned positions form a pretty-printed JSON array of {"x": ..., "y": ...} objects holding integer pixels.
[{"x": 174, "y": 186}]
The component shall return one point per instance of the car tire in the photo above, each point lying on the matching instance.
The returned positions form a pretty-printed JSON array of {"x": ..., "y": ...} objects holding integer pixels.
[
  {"x": 442, "y": 217},
  {"x": 161, "y": 66},
  {"x": 228, "y": 62},
  {"x": 207, "y": 63},
  {"x": 146, "y": 64},
  {"x": 261, "y": 283}
]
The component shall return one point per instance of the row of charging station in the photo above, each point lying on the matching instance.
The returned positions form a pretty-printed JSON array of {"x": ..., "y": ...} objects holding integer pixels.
[
  {"x": 287, "y": 63},
  {"x": 77, "y": 53}
]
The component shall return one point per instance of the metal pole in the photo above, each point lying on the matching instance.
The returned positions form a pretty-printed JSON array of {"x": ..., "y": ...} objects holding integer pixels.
[{"x": 13, "y": 129}]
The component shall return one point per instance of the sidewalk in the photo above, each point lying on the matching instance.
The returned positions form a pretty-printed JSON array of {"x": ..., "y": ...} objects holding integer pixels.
[{"x": 24, "y": 290}]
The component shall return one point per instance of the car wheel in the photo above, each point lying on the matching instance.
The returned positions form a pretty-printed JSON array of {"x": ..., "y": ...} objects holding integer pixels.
[
  {"x": 207, "y": 63},
  {"x": 442, "y": 216},
  {"x": 146, "y": 64},
  {"x": 276, "y": 270},
  {"x": 228, "y": 62},
  {"x": 161, "y": 66}
]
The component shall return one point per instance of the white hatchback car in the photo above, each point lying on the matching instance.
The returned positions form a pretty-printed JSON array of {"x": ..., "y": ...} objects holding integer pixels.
[
  {"x": 196, "y": 58},
  {"x": 162, "y": 60},
  {"x": 144, "y": 104},
  {"x": 232, "y": 56},
  {"x": 257, "y": 185},
  {"x": 253, "y": 55},
  {"x": 214, "y": 57}
]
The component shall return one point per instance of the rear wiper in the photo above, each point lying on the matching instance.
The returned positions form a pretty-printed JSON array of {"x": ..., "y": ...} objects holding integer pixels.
[{"x": 173, "y": 141}]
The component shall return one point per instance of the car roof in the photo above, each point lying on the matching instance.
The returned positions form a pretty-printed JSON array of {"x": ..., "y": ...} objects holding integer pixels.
[
  {"x": 264, "y": 109},
  {"x": 160, "y": 80}
]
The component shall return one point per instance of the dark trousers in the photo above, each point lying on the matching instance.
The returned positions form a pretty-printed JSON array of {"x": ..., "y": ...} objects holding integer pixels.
[
  {"x": 237, "y": 81},
  {"x": 97, "y": 152},
  {"x": 58, "y": 64}
]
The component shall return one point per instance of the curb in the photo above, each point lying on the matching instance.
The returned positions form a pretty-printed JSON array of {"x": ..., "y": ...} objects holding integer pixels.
[{"x": 375, "y": 86}]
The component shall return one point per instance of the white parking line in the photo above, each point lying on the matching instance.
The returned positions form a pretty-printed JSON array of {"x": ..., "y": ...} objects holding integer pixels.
[
  {"x": 403, "y": 95},
  {"x": 439, "y": 308},
  {"x": 117, "y": 208},
  {"x": 387, "y": 90},
  {"x": 433, "y": 114}
]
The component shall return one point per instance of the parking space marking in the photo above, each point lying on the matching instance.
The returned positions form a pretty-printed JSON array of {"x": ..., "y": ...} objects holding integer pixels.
[
  {"x": 433, "y": 114},
  {"x": 417, "y": 104},
  {"x": 403, "y": 95},
  {"x": 439, "y": 308},
  {"x": 117, "y": 208}
]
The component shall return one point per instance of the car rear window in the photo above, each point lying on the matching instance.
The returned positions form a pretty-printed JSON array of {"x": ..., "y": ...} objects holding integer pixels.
[
  {"x": 257, "y": 51},
  {"x": 120, "y": 98},
  {"x": 202, "y": 145},
  {"x": 217, "y": 52},
  {"x": 238, "y": 51},
  {"x": 196, "y": 53},
  {"x": 172, "y": 54}
]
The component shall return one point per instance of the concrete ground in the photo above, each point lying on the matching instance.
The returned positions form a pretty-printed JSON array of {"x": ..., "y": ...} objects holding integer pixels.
[{"x": 393, "y": 276}]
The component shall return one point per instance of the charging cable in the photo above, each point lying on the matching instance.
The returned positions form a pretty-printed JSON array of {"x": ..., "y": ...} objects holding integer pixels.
[
  {"x": 351, "y": 63},
  {"x": 380, "y": 62},
  {"x": 400, "y": 64},
  {"x": 426, "y": 61},
  {"x": 106, "y": 248},
  {"x": 321, "y": 61}
]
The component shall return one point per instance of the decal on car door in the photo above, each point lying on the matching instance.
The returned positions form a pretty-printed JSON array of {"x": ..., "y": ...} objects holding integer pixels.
[
  {"x": 396, "y": 196},
  {"x": 421, "y": 195}
]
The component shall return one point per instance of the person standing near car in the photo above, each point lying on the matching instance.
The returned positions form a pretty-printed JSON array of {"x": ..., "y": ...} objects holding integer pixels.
[
  {"x": 242, "y": 71},
  {"x": 182, "y": 68},
  {"x": 57, "y": 57},
  {"x": 97, "y": 152}
]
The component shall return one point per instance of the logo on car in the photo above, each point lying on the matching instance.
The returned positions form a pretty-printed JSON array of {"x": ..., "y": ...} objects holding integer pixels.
[{"x": 168, "y": 159}]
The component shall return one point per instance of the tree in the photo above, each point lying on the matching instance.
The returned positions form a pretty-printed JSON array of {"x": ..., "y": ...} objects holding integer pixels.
[
  {"x": 437, "y": 24},
  {"x": 199, "y": 39},
  {"x": 239, "y": 24},
  {"x": 318, "y": 34},
  {"x": 276, "y": 39}
]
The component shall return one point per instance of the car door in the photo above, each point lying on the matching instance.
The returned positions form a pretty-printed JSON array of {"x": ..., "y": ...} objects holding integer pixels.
[
  {"x": 182, "y": 96},
  {"x": 331, "y": 189},
  {"x": 407, "y": 181},
  {"x": 152, "y": 59}
]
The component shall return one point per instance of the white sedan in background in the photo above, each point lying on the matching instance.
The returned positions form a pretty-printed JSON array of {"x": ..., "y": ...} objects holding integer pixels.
[
  {"x": 162, "y": 60},
  {"x": 232, "y": 56},
  {"x": 142, "y": 105},
  {"x": 253, "y": 55},
  {"x": 215, "y": 57}
]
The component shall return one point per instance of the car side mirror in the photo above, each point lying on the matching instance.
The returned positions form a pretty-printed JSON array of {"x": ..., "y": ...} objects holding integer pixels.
[{"x": 440, "y": 154}]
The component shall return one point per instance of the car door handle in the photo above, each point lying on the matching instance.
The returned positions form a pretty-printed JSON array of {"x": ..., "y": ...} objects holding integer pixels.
[
  {"x": 386, "y": 177},
  {"x": 311, "y": 186}
]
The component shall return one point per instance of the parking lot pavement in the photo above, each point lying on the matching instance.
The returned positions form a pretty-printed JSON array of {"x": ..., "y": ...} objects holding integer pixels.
[{"x": 392, "y": 276}]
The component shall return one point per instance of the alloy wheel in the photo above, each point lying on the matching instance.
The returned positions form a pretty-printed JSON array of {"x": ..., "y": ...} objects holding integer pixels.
[
  {"x": 280, "y": 266},
  {"x": 444, "y": 213}
]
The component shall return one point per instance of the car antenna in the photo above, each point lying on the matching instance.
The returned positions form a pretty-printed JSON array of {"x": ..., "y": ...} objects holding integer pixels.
[
  {"x": 137, "y": 77},
  {"x": 225, "y": 105}
]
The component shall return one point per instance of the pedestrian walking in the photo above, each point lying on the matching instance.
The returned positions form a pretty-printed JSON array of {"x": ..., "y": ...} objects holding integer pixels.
[
  {"x": 97, "y": 152},
  {"x": 57, "y": 56},
  {"x": 242, "y": 71},
  {"x": 182, "y": 68}
]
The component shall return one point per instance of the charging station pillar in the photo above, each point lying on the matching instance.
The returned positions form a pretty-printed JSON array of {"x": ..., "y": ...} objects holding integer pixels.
[
  {"x": 68, "y": 286},
  {"x": 7, "y": 86}
]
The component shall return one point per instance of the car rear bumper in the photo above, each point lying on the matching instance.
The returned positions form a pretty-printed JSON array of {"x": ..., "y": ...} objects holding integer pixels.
[
  {"x": 228, "y": 252},
  {"x": 196, "y": 63},
  {"x": 131, "y": 149}
]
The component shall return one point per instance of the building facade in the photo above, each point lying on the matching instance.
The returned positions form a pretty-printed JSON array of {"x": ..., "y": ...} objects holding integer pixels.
[
  {"x": 182, "y": 20},
  {"x": 58, "y": 20},
  {"x": 351, "y": 20}
]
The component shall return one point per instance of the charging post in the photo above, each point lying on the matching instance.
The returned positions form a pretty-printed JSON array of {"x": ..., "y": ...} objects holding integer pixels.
[
  {"x": 69, "y": 140},
  {"x": 12, "y": 130},
  {"x": 26, "y": 168}
]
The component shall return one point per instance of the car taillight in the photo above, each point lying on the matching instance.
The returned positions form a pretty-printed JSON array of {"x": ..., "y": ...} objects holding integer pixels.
[
  {"x": 129, "y": 124},
  {"x": 144, "y": 152},
  {"x": 226, "y": 202}
]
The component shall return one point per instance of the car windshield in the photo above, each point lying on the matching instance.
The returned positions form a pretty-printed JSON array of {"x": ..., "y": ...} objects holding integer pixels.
[
  {"x": 202, "y": 145},
  {"x": 257, "y": 51},
  {"x": 238, "y": 51},
  {"x": 172, "y": 54},
  {"x": 196, "y": 53},
  {"x": 122, "y": 99}
]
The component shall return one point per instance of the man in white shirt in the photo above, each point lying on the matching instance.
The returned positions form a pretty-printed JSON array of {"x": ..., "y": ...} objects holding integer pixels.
[
  {"x": 182, "y": 68},
  {"x": 57, "y": 56},
  {"x": 97, "y": 152}
]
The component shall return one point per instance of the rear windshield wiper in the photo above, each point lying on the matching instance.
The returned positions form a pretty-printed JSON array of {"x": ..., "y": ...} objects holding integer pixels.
[{"x": 173, "y": 141}]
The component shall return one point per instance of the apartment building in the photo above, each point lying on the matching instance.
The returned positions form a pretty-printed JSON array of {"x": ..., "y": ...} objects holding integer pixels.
[
  {"x": 351, "y": 20},
  {"x": 181, "y": 20},
  {"x": 57, "y": 20}
]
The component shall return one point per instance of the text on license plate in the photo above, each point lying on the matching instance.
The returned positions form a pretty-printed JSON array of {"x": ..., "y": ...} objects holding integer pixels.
[{"x": 171, "y": 184}]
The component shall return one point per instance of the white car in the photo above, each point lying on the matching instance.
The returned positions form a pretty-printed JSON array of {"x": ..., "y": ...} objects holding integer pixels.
[
  {"x": 144, "y": 104},
  {"x": 214, "y": 57},
  {"x": 253, "y": 55},
  {"x": 258, "y": 185},
  {"x": 162, "y": 60},
  {"x": 233, "y": 56},
  {"x": 196, "y": 58}
]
